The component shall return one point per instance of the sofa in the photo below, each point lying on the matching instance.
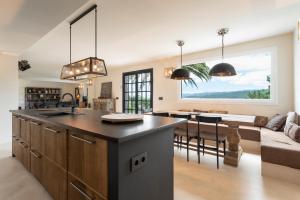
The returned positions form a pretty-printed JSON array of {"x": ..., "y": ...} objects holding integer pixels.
[{"x": 280, "y": 156}]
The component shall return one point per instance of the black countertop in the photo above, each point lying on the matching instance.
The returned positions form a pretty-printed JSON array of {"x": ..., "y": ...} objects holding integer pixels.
[{"x": 89, "y": 122}]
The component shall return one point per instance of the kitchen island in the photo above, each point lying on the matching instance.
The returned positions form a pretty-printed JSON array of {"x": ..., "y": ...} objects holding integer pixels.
[{"x": 77, "y": 156}]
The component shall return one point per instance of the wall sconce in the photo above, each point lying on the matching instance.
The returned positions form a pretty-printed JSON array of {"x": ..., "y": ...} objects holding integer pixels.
[
  {"x": 80, "y": 86},
  {"x": 168, "y": 71},
  {"x": 89, "y": 82}
]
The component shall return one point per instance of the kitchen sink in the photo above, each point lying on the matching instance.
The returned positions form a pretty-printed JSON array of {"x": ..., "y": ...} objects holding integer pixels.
[
  {"x": 58, "y": 113},
  {"x": 54, "y": 114}
]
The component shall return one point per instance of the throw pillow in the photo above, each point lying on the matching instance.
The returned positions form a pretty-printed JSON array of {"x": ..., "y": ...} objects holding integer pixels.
[
  {"x": 294, "y": 133},
  {"x": 288, "y": 127},
  {"x": 291, "y": 118},
  {"x": 260, "y": 121},
  {"x": 276, "y": 122}
]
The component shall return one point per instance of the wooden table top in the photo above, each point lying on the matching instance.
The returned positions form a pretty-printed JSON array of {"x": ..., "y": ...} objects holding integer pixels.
[{"x": 247, "y": 120}]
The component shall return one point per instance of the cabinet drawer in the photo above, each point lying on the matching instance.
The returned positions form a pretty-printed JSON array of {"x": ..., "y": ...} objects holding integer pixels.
[
  {"x": 15, "y": 147},
  {"x": 16, "y": 126},
  {"x": 54, "y": 179},
  {"x": 88, "y": 161},
  {"x": 36, "y": 165},
  {"x": 55, "y": 144},
  {"x": 36, "y": 136},
  {"x": 25, "y": 130},
  {"x": 23, "y": 154},
  {"x": 79, "y": 191}
]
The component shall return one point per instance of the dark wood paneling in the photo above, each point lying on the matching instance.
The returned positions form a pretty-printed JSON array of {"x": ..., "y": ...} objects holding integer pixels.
[
  {"x": 79, "y": 191},
  {"x": 88, "y": 161},
  {"x": 55, "y": 144},
  {"x": 54, "y": 179}
]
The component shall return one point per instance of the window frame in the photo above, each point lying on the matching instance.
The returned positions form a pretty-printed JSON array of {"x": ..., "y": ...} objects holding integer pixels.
[
  {"x": 135, "y": 73},
  {"x": 273, "y": 85}
]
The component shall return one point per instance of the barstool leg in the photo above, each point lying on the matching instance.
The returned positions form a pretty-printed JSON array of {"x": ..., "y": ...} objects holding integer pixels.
[
  {"x": 187, "y": 149},
  {"x": 198, "y": 148},
  {"x": 217, "y": 143},
  {"x": 203, "y": 147},
  {"x": 224, "y": 147}
]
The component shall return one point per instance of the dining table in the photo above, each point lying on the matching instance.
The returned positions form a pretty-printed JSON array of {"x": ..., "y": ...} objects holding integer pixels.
[{"x": 233, "y": 121}]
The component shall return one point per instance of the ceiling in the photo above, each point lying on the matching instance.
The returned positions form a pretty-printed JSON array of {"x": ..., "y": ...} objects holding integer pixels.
[
  {"x": 135, "y": 31},
  {"x": 24, "y": 22}
]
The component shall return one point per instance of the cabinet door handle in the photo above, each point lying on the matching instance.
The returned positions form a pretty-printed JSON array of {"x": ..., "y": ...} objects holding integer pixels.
[
  {"x": 51, "y": 130},
  {"x": 35, "y": 154},
  {"x": 23, "y": 145},
  {"x": 83, "y": 140},
  {"x": 35, "y": 123},
  {"x": 84, "y": 194}
]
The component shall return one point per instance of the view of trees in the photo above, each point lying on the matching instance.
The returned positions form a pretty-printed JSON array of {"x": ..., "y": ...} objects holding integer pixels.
[
  {"x": 261, "y": 94},
  {"x": 200, "y": 70}
]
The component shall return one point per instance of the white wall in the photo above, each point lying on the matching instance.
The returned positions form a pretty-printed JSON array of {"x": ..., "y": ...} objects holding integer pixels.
[
  {"x": 9, "y": 94},
  {"x": 170, "y": 89},
  {"x": 23, "y": 83},
  {"x": 297, "y": 71}
]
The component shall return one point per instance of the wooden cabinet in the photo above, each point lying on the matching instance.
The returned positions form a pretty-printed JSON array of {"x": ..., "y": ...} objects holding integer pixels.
[
  {"x": 25, "y": 130},
  {"x": 88, "y": 161},
  {"x": 16, "y": 126},
  {"x": 36, "y": 165},
  {"x": 54, "y": 179},
  {"x": 16, "y": 148},
  {"x": 22, "y": 153},
  {"x": 55, "y": 144},
  {"x": 79, "y": 191},
  {"x": 36, "y": 136}
]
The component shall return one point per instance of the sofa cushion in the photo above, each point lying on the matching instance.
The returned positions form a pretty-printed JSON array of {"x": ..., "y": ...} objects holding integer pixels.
[
  {"x": 279, "y": 149},
  {"x": 294, "y": 132},
  {"x": 250, "y": 133},
  {"x": 276, "y": 122},
  {"x": 291, "y": 118}
]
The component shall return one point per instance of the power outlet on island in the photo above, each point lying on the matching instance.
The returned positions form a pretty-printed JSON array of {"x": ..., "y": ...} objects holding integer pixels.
[{"x": 138, "y": 161}]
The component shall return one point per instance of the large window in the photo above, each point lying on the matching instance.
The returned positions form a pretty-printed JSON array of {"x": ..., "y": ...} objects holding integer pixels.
[
  {"x": 138, "y": 91},
  {"x": 253, "y": 80}
]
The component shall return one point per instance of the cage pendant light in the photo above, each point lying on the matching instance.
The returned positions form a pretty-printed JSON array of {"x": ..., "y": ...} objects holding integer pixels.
[
  {"x": 180, "y": 73},
  {"x": 87, "y": 68},
  {"x": 222, "y": 69}
]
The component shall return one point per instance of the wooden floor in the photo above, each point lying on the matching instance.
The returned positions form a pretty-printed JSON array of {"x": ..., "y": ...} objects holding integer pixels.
[
  {"x": 192, "y": 181},
  {"x": 203, "y": 181}
]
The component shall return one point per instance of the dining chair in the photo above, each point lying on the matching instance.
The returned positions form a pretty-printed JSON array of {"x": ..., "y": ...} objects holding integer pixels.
[
  {"x": 205, "y": 135},
  {"x": 182, "y": 131}
]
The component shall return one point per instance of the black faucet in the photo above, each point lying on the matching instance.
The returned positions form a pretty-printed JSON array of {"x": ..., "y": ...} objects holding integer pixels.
[{"x": 73, "y": 106}]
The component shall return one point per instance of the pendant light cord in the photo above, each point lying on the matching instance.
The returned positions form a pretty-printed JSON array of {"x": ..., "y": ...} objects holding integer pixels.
[
  {"x": 70, "y": 44},
  {"x": 95, "y": 32},
  {"x": 222, "y": 47},
  {"x": 181, "y": 55}
]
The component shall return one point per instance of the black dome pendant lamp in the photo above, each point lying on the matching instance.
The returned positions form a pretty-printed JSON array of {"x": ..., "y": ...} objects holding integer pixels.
[
  {"x": 181, "y": 73},
  {"x": 222, "y": 69}
]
